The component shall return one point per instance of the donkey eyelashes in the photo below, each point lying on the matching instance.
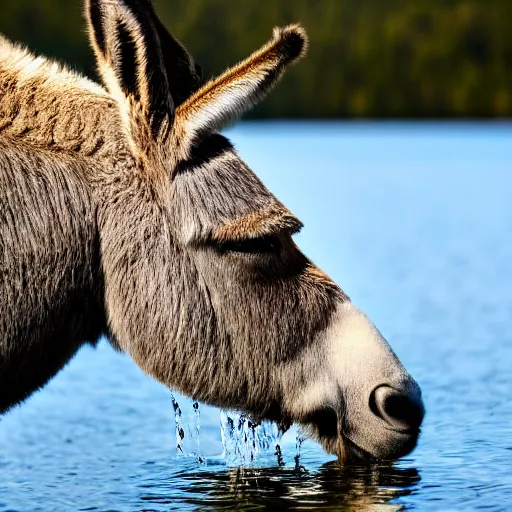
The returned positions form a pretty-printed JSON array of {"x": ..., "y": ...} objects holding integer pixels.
[
  {"x": 266, "y": 244},
  {"x": 265, "y": 238},
  {"x": 262, "y": 232}
]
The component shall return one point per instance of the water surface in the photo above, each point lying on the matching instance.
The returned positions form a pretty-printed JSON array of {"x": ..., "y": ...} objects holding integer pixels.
[{"x": 415, "y": 223}]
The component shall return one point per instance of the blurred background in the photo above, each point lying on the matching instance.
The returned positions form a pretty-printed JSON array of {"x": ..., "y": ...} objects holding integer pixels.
[{"x": 368, "y": 58}]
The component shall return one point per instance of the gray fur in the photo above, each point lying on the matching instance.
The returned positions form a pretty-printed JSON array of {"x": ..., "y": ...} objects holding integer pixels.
[
  {"x": 115, "y": 213},
  {"x": 51, "y": 291}
]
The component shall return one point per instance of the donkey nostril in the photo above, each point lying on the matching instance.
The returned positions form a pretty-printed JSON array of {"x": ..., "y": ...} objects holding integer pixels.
[{"x": 402, "y": 411}]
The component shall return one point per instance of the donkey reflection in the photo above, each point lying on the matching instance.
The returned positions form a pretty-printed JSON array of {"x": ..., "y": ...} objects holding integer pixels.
[
  {"x": 124, "y": 212},
  {"x": 353, "y": 488}
]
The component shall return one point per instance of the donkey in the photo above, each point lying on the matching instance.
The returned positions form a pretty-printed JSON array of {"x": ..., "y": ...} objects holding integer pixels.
[{"x": 124, "y": 212}]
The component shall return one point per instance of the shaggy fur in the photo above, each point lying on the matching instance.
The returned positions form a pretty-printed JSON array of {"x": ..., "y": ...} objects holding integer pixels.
[
  {"x": 153, "y": 224},
  {"x": 51, "y": 286},
  {"x": 46, "y": 105},
  {"x": 123, "y": 212}
]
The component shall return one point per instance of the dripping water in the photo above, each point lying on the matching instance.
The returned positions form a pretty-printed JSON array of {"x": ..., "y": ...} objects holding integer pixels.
[
  {"x": 246, "y": 441},
  {"x": 188, "y": 430},
  {"x": 300, "y": 438}
]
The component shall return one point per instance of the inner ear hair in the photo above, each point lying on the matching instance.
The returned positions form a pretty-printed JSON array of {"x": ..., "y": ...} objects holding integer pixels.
[
  {"x": 129, "y": 57},
  {"x": 223, "y": 100}
]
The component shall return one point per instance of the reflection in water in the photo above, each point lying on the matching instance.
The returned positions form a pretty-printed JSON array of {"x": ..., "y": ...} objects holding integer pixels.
[{"x": 357, "y": 488}]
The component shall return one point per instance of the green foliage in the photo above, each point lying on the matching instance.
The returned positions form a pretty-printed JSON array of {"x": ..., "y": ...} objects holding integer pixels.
[{"x": 368, "y": 58}]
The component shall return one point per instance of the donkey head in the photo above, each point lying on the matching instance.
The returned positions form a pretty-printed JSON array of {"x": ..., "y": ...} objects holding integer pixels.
[{"x": 204, "y": 286}]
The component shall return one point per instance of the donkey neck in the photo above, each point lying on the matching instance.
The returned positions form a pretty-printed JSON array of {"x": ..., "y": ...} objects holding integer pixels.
[
  {"x": 46, "y": 105},
  {"x": 51, "y": 299}
]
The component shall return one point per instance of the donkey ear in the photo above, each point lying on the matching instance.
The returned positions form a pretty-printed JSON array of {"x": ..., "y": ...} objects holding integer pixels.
[
  {"x": 224, "y": 99},
  {"x": 129, "y": 56},
  {"x": 185, "y": 76}
]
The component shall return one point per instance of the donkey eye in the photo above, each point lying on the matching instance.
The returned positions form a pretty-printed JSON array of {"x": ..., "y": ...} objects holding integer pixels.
[{"x": 261, "y": 245}]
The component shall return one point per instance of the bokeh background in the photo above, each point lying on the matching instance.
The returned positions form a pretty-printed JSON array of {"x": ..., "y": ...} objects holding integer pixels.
[{"x": 368, "y": 58}]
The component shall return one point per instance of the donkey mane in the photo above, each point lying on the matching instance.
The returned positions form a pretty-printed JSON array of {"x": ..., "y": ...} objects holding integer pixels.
[
  {"x": 48, "y": 105},
  {"x": 20, "y": 62}
]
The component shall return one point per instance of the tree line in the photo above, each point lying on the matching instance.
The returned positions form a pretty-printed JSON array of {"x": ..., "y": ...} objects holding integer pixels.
[{"x": 368, "y": 58}]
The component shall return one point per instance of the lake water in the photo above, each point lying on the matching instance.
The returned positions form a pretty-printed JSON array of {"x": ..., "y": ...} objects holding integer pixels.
[{"x": 415, "y": 223}]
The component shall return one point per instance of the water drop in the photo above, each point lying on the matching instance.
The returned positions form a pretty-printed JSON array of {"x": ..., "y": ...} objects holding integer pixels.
[
  {"x": 188, "y": 429},
  {"x": 249, "y": 441}
]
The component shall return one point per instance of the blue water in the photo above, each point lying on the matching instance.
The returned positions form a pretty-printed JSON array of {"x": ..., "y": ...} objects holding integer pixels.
[{"x": 415, "y": 223}]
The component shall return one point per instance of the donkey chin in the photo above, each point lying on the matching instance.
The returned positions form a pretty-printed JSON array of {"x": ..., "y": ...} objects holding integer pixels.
[{"x": 351, "y": 393}]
